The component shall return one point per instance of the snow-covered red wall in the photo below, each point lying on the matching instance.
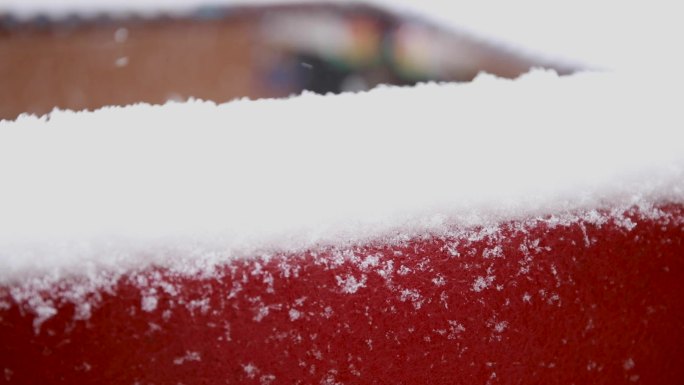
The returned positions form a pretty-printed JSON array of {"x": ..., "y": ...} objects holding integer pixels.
[
  {"x": 493, "y": 232},
  {"x": 498, "y": 232}
]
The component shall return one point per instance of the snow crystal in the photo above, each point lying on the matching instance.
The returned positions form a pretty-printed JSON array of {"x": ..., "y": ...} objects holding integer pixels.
[
  {"x": 149, "y": 303},
  {"x": 453, "y": 251},
  {"x": 455, "y": 328},
  {"x": 370, "y": 261},
  {"x": 188, "y": 357},
  {"x": 83, "y": 311},
  {"x": 166, "y": 315},
  {"x": 414, "y": 296},
  {"x": 330, "y": 378},
  {"x": 153, "y": 327},
  {"x": 201, "y": 304},
  {"x": 43, "y": 313},
  {"x": 267, "y": 379},
  {"x": 628, "y": 364},
  {"x": 494, "y": 252},
  {"x": 261, "y": 313},
  {"x": 294, "y": 314},
  {"x": 350, "y": 284},
  {"x": 499, "y": 327},
  {"x": 554, "y": 299},
  {"x": 482, "y": 283},
  {"x": 439, "y": 281}
]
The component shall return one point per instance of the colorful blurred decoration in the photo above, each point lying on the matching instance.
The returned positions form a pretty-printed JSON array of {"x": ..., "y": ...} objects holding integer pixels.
[{"x": 325, "y": 53}]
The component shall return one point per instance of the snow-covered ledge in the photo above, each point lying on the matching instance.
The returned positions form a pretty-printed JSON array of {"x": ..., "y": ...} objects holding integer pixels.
[{"x": 102, "y": 188}]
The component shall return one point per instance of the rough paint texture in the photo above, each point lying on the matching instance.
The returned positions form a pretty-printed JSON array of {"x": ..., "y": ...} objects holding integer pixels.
[{"x": 594, "y": 300}]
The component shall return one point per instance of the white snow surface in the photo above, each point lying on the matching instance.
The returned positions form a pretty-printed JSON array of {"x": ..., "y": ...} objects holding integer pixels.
[
  {"x": 605, "y": 34},
  {"x": 127, "y": 186}
]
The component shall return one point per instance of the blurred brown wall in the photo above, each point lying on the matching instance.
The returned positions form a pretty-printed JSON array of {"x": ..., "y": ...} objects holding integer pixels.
[{"x": 90, "y": 65}]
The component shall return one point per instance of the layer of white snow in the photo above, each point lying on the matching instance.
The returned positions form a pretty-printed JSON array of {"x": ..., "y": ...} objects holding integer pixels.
[
  {"x": 123, "y": 186},
  {"x": 602, "y": 34}
]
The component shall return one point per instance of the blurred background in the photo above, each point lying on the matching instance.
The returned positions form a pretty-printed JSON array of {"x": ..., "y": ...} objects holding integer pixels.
[{"x": 85, "y": 60}]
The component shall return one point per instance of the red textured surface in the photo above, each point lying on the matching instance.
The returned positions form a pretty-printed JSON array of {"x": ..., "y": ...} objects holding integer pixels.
[{"x": 587, "y": 304}]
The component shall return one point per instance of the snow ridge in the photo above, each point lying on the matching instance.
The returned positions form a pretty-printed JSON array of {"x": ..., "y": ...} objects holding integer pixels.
[{"x": 124, "y": 187}]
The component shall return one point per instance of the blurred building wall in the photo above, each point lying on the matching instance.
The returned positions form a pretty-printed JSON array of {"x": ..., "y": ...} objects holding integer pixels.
[
  {"x": 221, "y": 54},
  {"x": 91, "y": 64}
]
